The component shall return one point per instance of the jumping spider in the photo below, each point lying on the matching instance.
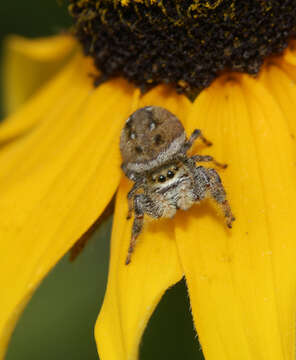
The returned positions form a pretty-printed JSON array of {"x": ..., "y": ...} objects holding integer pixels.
[{"x": 154, "y": 149}]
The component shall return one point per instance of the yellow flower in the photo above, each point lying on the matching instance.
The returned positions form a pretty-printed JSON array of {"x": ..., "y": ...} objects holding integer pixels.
[{"x": 64, "y": 167}]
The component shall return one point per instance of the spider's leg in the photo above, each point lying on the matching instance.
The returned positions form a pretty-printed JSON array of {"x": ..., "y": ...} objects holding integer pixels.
[
  {"x": 197, "y": 134},
  {"x": 218, "y": 193},
  {"x": 208, "y": 158},
  {"x": 130, "y": 199},
  {"x": 139, "y": 202}
]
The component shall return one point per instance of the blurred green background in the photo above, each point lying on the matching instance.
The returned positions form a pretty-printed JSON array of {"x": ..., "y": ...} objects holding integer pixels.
[{"x": 59, "y": 320}]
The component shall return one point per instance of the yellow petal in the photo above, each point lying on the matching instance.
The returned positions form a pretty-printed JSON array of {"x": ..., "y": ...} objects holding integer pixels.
[
  {"x": 28, "y": 64},
  {"x": 290, "y": 54},
  {"x": 242, "y": 281},
  {"x": 280, "y": 80},
  {"x": 133, "y": 291},
  {"x": 55, "y": 182},
  {"x": 47, "y": 100},
  {"x": 166, "y": 97}
]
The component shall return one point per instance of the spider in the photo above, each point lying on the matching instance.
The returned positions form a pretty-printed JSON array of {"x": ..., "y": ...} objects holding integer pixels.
[{"x": 154, "y": 149}]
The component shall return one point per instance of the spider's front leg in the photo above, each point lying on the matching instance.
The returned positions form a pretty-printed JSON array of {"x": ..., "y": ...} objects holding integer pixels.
[
  {"x": 130, "y": 199},
  {"x": 142, "y": 204},
  {"x": 197, "y": 134},
  {"x": 208, "y": 158},
  {"x": 138, "y": 207},
  {"x": 218, "y": 193},
  {"x": 130, "y": 202}
]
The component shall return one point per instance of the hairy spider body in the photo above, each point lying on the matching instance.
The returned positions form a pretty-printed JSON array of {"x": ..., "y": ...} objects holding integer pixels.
[{"x": 154, "y": 150}]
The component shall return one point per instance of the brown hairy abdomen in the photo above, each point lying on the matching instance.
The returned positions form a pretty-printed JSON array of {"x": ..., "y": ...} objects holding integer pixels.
[{"x": 147, "y": 133}]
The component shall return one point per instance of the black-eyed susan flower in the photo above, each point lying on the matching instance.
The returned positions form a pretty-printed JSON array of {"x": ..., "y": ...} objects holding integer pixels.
[{"x": 63, "y": 168}]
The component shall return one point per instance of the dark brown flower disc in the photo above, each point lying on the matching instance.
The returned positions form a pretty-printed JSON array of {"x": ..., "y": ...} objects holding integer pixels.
[{"x": 186, "y": 43}]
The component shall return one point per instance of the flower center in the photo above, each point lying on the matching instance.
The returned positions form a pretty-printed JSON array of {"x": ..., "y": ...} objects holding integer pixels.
[{"x": 186, "y": 43}]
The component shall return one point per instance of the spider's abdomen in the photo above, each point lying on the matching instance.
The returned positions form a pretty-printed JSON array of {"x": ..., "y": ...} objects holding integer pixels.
[{"x": 151, "y": 136}]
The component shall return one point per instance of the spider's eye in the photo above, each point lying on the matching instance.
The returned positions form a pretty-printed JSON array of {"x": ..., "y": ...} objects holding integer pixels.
[
  {"x": 176, "y": 168},
  {"x": 138, "y": 149},
  {"x": 161, "y": 178},
  {"x": 170, "y": 174}
]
